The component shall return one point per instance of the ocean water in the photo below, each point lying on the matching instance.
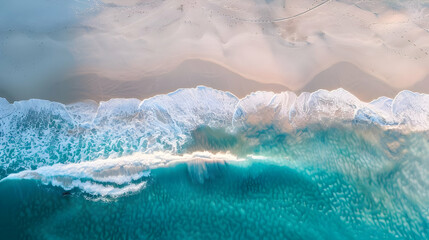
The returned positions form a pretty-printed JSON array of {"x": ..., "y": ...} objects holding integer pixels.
[{"x": 202, "y": 164}]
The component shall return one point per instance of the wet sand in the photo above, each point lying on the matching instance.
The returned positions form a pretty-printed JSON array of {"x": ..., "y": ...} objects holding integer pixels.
[
  {"x": 192, "y": 73},
  {"x": 189, "y": 74}
]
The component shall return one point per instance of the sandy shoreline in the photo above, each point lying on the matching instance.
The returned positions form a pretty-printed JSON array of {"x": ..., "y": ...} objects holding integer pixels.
[
  {"x": 189, "y": 74},
  {"x": 192, "y": 73},
  {"x": 140, "y": 49}
]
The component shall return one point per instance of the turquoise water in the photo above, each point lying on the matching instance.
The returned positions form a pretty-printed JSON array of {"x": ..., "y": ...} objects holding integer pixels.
[
  {"x": 202, "y": 164},
  {"x": 255, "y": 202},
  {"x": 340, "y": 182}
]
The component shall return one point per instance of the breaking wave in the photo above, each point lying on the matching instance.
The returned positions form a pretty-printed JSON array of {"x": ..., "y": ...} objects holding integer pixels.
[
  {"x": 36, "y": 133},
  {"x": 115, "y": 177}
]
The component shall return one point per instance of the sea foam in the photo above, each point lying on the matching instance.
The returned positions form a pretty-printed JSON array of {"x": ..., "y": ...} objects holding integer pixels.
[
  {"x": 114, "y": 177},
  {"x": 35, "y": 133}
]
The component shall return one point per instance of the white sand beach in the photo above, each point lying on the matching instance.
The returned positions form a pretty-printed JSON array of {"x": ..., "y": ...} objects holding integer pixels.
[{"x": 277, "y": 44}]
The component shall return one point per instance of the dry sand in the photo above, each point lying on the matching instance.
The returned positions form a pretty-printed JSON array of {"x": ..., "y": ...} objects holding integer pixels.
[
  {"x": 384, "y": 41},
  {"x": 140, "y": 48}
]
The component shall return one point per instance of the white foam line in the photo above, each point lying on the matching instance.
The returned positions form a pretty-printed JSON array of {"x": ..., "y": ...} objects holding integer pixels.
[{"x": 99, "y": 177}]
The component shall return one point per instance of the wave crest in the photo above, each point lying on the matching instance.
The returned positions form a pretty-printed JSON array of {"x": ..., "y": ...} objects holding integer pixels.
[
  {"x": 35, "y": 133},
  {"x": 114, "y": 177}
]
